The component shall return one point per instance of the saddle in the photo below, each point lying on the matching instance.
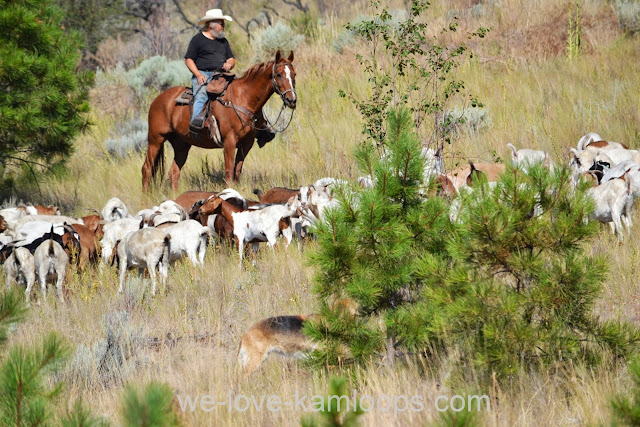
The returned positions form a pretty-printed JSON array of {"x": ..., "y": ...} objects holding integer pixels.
[
  {"x": 215, "y": 88},
  {"x": 186, "y": 97}
]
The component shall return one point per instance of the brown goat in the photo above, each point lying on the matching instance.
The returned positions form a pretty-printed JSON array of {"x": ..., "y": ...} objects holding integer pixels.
[
  {"x": 276, "y": 195},
  {"x": 475, "y": 176},
  {"x": 3, "y": 224},
  {"x": 491, "y": 170},
  {"x": 444, "y": 186},
  {"x": 47, "y": 210},
  {"x": 88, "y": 245},
  {"x": 188, "y": 198}
]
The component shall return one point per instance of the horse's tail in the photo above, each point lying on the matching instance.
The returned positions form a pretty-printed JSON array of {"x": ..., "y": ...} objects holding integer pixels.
[{"x": 158, "y": 163}]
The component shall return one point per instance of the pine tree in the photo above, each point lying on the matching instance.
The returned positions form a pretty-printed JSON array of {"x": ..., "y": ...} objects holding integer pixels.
[
  {"x": 24, "y": 398},
  {"x": 625, "y": 409},
  {"x": 508, "y": 285},
  {"x": 81, "y": 416},
  {"x": 43, "y": 96},
  {"x": 368, "y": 247},
  {"x": 154, "y": 407},
  {"x": 336, "y": 411}
]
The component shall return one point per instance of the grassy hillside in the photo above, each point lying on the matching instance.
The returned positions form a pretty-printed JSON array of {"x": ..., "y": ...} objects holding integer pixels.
[{"x": 535, "y": 97}]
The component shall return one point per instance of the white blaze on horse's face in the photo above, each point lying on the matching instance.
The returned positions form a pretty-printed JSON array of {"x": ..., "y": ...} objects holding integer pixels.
[
  {"x": 287, "y": 72},
  {"x": 284, "y": 84}
]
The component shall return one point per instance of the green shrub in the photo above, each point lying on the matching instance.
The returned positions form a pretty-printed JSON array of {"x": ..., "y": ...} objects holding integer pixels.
[
  {"x": 110, "y": 360},
  {"x": 157, "y": 74},
  {"x": 306, "y": 24},
  {"x": 277, "y": 37},
  {"x": 470, "y": 120},
  {"x": 628, "y": 12},
  {"x": 348, "y": 36},
  {"x": 131, "y": 137}
]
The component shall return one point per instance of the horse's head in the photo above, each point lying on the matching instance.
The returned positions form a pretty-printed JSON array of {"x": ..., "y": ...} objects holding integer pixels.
[{"x": 284, "y": 79}]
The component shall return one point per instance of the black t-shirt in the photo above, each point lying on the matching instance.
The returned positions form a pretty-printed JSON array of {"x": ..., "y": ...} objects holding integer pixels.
[{"x": 209, "y": 55}]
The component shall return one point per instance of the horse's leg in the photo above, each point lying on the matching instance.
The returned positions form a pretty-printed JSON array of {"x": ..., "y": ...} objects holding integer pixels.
[
  {"x": 155, "y": 149},
  {"x": 181, "y": 150},
  {"x": 243, "y": 150},
  {"x": 229, "y": 152}
]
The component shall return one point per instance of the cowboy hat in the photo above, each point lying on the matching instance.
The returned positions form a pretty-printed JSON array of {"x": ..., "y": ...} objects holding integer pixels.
[{"x": 212, "y": 15}]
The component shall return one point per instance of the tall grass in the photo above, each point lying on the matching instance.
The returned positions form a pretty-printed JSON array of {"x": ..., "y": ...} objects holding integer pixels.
[{"x": 190, "y": 335}]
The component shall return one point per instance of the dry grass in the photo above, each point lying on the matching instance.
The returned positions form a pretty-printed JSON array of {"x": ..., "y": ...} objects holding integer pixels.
[{"x": 535, "y": 97}]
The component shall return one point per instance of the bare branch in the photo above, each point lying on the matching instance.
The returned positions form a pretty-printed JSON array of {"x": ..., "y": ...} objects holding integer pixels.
[
  {"x": 184, "y": 17},
  {"x": 297, "y": 4}
]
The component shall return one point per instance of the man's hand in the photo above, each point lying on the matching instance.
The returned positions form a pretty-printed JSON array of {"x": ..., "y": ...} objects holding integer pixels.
[
  {"x": 201, "y": 79},
  {"x": 228, "y": 65}
]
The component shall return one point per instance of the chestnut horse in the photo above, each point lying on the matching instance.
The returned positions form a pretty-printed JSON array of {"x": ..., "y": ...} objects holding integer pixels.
[{"x": 236, "y": 112}]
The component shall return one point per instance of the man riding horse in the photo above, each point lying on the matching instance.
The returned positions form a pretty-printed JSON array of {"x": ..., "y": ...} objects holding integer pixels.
[
  {"x": 208, "y": 55},
  {"x": 237, "y": 110}
]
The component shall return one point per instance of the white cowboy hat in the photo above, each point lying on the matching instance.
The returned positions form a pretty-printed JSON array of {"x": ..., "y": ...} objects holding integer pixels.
[{"x": 213, "y": 15}]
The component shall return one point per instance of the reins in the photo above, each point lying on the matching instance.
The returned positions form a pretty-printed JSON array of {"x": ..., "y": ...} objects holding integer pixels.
[{"x": 251, "y": 115}]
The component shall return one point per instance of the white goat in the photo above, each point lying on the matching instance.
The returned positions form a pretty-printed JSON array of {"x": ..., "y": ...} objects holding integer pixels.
[
  {"x": 20, "y": 267},
  {"x": 51, "y": 219},
  {"x": 146, "y": 248},
  {"x": 582, "y": 161},
  {"x": 114, "y": 209},
  {"x": 51, "y": 264},
  {"x": 318, "y": 201},
  {"x": 614, "y": 200},
  {"x": 188, "y": 237},
  {"x": 588, "y": 139},
  {"x": 114, "y": 231},
  {"x": 595, "y": 141},
  {"x": 619, "y": 155},
  {"x": 30, "y": 231},
  {"x": 14, "y": 214},
  {"x": 433, "y": 166},
  {"x": 525, "y": 157},
  {"x": 433, "y": 163},
  {"x": 629, "y": 169},
  {"x": 255, "y": 225}
]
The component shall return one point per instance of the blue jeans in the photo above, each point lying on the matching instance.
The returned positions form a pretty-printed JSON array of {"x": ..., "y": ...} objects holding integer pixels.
[{"x": 200, "y": 96}]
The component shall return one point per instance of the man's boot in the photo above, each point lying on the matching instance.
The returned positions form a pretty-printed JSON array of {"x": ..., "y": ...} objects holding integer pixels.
[{"x": 198, "y": 121}]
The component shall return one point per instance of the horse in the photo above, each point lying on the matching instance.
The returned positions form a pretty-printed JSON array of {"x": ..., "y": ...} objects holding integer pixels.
[{"x": 238, "y": 113}]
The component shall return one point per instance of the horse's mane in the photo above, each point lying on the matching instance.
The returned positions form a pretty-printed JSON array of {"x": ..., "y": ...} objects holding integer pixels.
[{"x": 257, "y": 69}]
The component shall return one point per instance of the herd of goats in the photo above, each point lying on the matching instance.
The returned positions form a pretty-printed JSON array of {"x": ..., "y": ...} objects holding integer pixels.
[{"x": 38, "y": 242}]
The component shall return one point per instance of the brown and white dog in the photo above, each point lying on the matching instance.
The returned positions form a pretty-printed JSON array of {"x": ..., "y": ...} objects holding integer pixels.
[
  {"x": 280, "y": 334},
  {"x": 283, "y": 335}
]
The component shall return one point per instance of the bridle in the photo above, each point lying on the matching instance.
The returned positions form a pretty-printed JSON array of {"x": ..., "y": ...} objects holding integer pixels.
[
  {"x": 275, "y": 84},
  {"x": 252, "y": 116}
]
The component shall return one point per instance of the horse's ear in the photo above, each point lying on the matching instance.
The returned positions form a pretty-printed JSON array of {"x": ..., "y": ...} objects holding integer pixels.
[
  {"x": 278, "y": 56},
  {"x": 291, "y": 57}
]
